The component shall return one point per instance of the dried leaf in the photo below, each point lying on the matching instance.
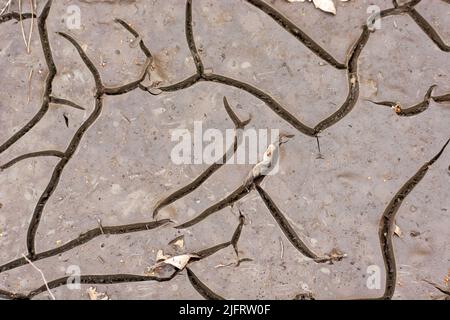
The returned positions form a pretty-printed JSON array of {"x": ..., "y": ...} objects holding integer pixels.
[
  {"x": 336, "y": 255},
  {"x": 178, "y": 242},
  {"x": 325, "y": 5},
  {"x": 94, "y": 295},
  {"x": 160, "y": 256},
  {"x": 266, "y": 164},
  {"x": 398, "y": 232},
  {"x": 180, "y": 261}
]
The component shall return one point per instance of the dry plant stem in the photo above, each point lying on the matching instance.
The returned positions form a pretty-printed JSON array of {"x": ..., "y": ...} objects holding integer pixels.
[
  {"x": 32, "y": 5},
  {"x": 30, "y": 76},
  {"x": 22, "y": 27},
  {"x": 42, "y": 275},
  {"x": 5, "y": 7}
]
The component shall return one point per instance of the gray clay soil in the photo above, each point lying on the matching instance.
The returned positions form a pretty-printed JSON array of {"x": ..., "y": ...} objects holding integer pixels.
[{"x": 122, "y": 165}]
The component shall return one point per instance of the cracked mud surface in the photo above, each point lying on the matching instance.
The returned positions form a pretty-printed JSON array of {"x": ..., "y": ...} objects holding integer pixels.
[{"x": 111, "y": 161}]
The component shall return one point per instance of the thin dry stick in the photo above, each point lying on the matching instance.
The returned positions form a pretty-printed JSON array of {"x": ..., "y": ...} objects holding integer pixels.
[
  {"x": 5, "y": 7},
  {"x": 21, "y": 24},
  {"x": 281, "y": 248},
  {"x": 31, "y": 26},
  {"x": 29, "y": 84},
  {"x": 42, "y": 275},
  {"x": 22, "y": 28}
]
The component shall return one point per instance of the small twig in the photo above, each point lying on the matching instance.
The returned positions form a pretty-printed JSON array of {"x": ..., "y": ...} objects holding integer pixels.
[
  {"x": 42, "y": 275},
  {"x": 31, "y": 26},
  {"x": 29, "y": 84},
  {"x": 21, "y": 25},
  {"x": 5, "y": 7},
  {"x": 281, "y": 248},
  {"x": 22, "y": 28}
]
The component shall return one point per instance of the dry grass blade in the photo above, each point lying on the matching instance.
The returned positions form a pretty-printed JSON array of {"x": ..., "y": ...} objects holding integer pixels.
[
  {"x": 29, "y": 85},
  {"x": 5, "y": 7},
  {"x": 22, "y": 28},
  {"x": 42, "y": 275}
]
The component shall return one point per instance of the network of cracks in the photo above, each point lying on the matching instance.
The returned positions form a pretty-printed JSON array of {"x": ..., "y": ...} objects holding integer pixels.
[{"x": 250, "y": 184}]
